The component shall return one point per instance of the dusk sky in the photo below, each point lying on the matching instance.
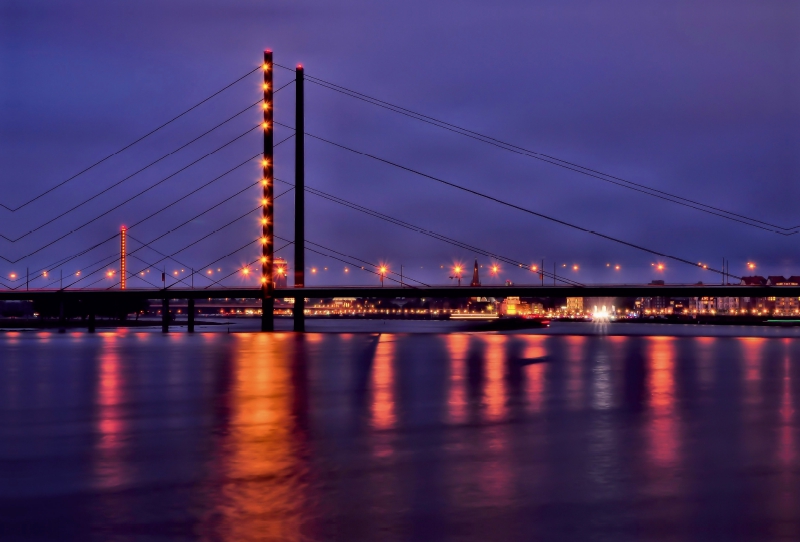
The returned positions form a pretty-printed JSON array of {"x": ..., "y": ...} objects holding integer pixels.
[{"x": 701, "y": 100}]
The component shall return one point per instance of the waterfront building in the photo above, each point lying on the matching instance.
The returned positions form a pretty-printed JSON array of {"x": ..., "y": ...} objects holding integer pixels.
[
  {"x": 574, "y": 305},
  {"x": 704, "y": 305},
  {"x": 728, "y": 305},
  {"x": 653, "y": 305},
  {"x": 777, "y": 280},
  {"x": 786, "y": 306},
  {"x": 344, "y": 302},
  {"x": 753, "y": 281},
  {"x": 513, "y": 306},
  {"x": 780, "y": 306},
  {"x": 681, "y": 305},
  {"x": 481, "y": 305}
]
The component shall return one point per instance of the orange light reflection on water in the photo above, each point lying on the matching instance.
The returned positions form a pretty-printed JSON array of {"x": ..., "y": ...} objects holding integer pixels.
[
  {"x": 260, "y": 445},
  {"x": 536, "y": 373},
  {"x": 705, "y": 360},
  {"x": 575, "y": 357},
  {"x": 382, "y": 408},
  {"x": 110, "y": 466},
  {"x": 457, "y": 345},
  {"x": 663, "y": 427},
  {"x": 494, "y": 391},
  {"x": 751, "y": 372},
  {"x": 786, "y": 491}
]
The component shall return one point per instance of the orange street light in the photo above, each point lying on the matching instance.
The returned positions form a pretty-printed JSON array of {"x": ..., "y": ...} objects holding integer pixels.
[
  {"x": 457, "y": 270},
  {"x": 382, "y": 273}
]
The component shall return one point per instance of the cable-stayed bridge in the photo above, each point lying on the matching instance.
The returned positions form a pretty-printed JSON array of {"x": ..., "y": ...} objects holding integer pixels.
[{"x": 124, "y": 266}]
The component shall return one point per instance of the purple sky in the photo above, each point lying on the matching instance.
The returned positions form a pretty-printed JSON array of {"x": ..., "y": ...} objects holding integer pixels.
[{"x": 698, "y": 99}]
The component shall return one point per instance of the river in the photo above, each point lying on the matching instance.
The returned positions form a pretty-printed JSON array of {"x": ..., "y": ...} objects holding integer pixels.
[{"x": 379, "y": 433}]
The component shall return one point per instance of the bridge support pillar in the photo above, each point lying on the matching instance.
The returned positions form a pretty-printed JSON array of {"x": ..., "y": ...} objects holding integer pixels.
[
  {"x": 62, "y": 321},
  {"x": 299, "y": 314},
  {"x": 165, "y": 315},
  {"x": 92, "y": 319},
  {"x": 267, "y": 313},
  {"x": 190, "y": 315}
]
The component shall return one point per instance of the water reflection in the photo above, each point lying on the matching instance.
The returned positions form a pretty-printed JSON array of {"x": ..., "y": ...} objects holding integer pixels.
[
  {"x": 494, "y": 388},
  {"x": 382, "y": 409},
  {"x": 380, "y": 437},
  {"x": 787, "y": 486},
  {"x": 457, "y": 345},
  {"x": 261, "y": 492},
  {"x": 575, "y": 357},
  {"x": 663, "y": 425},
  {"x": 753, "y": 359},
  {"x": 111, "y": 468},
  {"x": 536, "y": 372}
]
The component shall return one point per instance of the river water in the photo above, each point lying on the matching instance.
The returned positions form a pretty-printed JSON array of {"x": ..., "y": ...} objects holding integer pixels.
[{"x": 133, "y": 435}]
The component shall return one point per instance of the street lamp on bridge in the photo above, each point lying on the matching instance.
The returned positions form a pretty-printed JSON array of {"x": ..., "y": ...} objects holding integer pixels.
[
  {"x": 457, "y": 272},
  {"x": 383, "y": 270}
]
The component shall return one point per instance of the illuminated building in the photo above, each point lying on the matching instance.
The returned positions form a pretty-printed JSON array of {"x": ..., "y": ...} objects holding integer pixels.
[
  {"x": 704, "y": 305},
  {"x": 785, "y": 306},
  {"x": 482, "y": 305},
  {"x": 728, "y": 305},
  {"x": 574, "y": 304},
  {"x": 344, "y": 302},
  {"x": 510, "y": 306},
  {"x": 653, "y": 305},
  {"x": 777, "y": 280},
  {"x": 780, "y": 306}
]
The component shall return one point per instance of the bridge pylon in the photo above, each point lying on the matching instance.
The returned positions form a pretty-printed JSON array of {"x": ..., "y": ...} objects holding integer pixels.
[
  {"x": 299, "y": 201},
  {"x": 267, "y": 203}
]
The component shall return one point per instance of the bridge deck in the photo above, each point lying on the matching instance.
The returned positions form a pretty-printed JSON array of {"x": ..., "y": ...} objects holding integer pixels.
[{"x": 624, "y": 290}]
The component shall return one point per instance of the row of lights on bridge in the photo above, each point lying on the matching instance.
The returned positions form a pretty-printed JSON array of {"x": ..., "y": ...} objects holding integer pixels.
[{"x": 383, "y": 270}]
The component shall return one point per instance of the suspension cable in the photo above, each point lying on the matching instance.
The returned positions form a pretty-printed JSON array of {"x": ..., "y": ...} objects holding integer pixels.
[
  {"x": 565, "y": 164},
  {"x": 525, "y": 210},
  {"x": 129, "y": 145}
]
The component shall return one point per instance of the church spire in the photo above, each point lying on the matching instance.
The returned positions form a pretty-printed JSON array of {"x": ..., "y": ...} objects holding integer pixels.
[{"x": 476, "y": 280}]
